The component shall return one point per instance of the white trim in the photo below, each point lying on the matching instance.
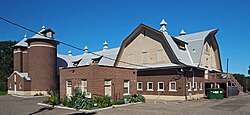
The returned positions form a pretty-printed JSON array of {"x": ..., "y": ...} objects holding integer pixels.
[
  {"x": 138, "y": 86},
  {"x": 41, "y": 46},
  {"x": 148, "y": 86},
  {"x": 127, "y": 86},
  {"x": 195, "y": 86},
  {"x": 170, "y": 86},
  {"x": 159, "y": 86},
  {"x": 189, "y": 88},
  {"x": 200, "y": 85}
]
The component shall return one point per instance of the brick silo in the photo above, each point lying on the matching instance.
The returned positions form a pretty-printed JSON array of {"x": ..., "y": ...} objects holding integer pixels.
[{"x": 42, "y": 62}]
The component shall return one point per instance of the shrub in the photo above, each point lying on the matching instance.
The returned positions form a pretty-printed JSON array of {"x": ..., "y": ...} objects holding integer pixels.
[
  {"x": 104, "y": 101},
  {"x": 118, "y": 102},
  {"x": 53, "y": 100},
  {"x": 141, "y": 98}
]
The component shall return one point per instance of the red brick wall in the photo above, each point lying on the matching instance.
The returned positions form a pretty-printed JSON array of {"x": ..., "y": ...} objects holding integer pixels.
[
  {"x": 95, "y": 76},
  {"x": 166, "y": 76}
]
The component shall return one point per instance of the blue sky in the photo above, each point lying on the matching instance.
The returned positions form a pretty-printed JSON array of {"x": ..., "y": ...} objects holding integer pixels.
[{"x": 91, "y": 22}]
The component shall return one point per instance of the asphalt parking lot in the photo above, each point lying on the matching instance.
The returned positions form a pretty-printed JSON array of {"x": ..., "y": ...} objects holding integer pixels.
[{"x": 10, "y": 105}]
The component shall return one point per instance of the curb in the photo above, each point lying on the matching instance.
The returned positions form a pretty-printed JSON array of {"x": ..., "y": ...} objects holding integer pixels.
[
  {"x": 23, "y": 96},
  {"x": 88, "y": 111}
]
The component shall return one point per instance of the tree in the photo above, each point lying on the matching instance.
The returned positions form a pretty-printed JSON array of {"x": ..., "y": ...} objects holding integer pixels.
[
  {"x": 6, "y": 62},
  {"x": 243, "y": 80}
]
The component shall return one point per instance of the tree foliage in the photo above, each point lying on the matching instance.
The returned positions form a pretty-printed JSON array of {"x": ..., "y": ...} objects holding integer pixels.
[
  {"x": 243, "y": 80},
  {"x": 6, "y": 62}
]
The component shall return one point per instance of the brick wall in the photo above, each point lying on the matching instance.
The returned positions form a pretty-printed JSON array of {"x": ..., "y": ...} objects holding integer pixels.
[
  {"x": 25, "y": 85},
  {"x": 95, "y": 76}
]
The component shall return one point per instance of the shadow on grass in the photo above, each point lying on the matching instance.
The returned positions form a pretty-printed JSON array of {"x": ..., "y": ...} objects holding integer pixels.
[
  {"x": 2, "y": 93},
  {"x": 41, "y": 110},
  {"x": 92, "y": 113}
]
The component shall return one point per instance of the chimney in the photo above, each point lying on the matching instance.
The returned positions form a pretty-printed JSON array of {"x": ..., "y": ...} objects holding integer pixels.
[
  {"x": 182, "y": 32},
  {"x": 105, "y": 46},
  {"x": 86, "y": 49},
  {"x": 69, "y": 53},
  {"x": 163, "y": 25}
]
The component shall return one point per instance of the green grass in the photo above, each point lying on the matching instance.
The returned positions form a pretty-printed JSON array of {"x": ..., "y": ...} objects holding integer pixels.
[{"x": 3, "y": 93}]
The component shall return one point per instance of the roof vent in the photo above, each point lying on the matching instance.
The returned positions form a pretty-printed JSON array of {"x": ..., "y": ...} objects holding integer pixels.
[
  {"x": 182, "y": 32},
  {"x": 163, "y": 26},
  {"x": 69, "y": 53},
  {"x": 86, "y": 49},
  {"x": 105, "y": 46}
]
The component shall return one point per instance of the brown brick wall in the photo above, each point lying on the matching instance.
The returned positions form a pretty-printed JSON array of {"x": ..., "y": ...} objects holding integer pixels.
[
  {"x": 166, "y": 76},
  {"x": 42, "y": 66},
  {"x": 25, "y": 85},
  {"x": 25, "y": 60},
  {"x": 95, "y": 76}
]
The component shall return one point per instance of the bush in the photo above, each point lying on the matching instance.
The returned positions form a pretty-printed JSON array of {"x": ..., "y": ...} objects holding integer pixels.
[
  {"x": 134, "y": 98},
  {"x": 53, "y": 100},
  {"x": 118, "y": 102},
  {"x": 141, "y": 98},
  {"x": 104, "y": 101}
]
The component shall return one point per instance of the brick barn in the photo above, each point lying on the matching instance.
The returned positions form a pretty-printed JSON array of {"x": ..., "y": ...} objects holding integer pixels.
[{"x": 149, "y": 61}]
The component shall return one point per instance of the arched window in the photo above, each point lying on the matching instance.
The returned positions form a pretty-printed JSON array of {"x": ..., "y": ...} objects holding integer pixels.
[{"x": 20, "y": 85}]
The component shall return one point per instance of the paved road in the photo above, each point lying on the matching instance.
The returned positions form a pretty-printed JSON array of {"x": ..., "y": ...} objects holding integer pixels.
[{"x": 239, "y": 105}]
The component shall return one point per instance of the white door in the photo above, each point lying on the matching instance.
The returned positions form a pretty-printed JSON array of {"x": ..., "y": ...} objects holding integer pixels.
[
  {"x": 68, "y": 88},
  {"x": 14, "y": 88}
]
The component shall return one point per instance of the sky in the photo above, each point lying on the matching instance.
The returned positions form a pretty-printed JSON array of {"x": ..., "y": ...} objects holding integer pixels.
[{"x": 91, "y": 22}]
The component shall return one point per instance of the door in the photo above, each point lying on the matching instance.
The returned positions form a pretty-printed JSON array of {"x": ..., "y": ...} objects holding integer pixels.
[
  {"x": 68, "y": 88},
  {"x": 107, "y": 87}
]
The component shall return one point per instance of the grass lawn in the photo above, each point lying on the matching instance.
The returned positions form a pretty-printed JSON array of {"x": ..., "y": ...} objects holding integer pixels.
[{"x": 3, "y": 93}]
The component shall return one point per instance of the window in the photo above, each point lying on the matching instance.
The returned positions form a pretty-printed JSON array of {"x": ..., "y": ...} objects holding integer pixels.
[
  {"x": 14, "y": 77},
  {"x": 172, "y": 86},
  {"x": 195, "y": 86},
  {"x": 126, "y": 87},
  {"x": 139, "y": 85},
  {"x": 68, "y": 88},
  {"x": 144, "y": 57},
  {"x": 84, "y": 86},
  {"x": 189, "y": 86},
  {"x": 149, "y": 86},
  {"x": 201, "y": 85},
  {"x": 160, "y": 86},
  {"x": 10, "y": 85},
  {"x": 107, "y": 87},
  {"x": 159, "y": 56},
  {"x": 20, "y": 85}
]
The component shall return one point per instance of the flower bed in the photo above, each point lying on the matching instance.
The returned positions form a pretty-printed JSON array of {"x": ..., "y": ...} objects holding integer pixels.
[{"x": 79, "y": 101}]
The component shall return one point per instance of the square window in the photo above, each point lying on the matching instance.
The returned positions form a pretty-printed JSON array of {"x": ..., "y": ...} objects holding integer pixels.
[
  {"x": 126, "y": 87},
  {"x": 172, "y": 86},
  {"x": 160, "y": 86},
  {"x": 149, "y": 86},
  {"x": 139, "y": 85}
]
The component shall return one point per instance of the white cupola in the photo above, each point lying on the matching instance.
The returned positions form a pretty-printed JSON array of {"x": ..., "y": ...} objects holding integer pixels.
[
  {"x": 69, "y": 53},
  {"x": 105, "y": 46},
  {"x": 86, "y": 49},
  {"x": 163, "y": 25},
  {"x": 182, "y": 32}
]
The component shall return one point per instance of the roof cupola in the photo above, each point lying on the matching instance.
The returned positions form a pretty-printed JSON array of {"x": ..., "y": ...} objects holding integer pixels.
[{"x": 163, "y": 25}]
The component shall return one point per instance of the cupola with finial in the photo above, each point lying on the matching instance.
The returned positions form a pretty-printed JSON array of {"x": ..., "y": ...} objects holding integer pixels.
[
  {"x": 86, "y": 49},
  {"x": 182, "y": 32},
  {"x": 163, "y": 25},
  {"x": 69, "y": 53},
  {"x": 105, "y": 46}
]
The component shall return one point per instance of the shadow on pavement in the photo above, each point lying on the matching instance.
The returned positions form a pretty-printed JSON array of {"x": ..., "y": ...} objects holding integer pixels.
[
  {"x": 92, "y": 113},
  {"x": 42, "y": 109}
]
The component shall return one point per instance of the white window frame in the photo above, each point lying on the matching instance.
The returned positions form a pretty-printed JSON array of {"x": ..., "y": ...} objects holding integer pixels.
[
  {"x": 189, "y": 86},
  {"x": 170, "y": 86},
  {"x": 84, "y": 88},
  {"x": 124, "y": 87},
  {"x": 20, "y": 85},
  {"x": 159, "y": 86},
  {"x": 201, "y": 86},
  {"x": 148, "y": 86},
  {"x": 195, "y": 86},
  {"x": 138, "y": 86}
]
